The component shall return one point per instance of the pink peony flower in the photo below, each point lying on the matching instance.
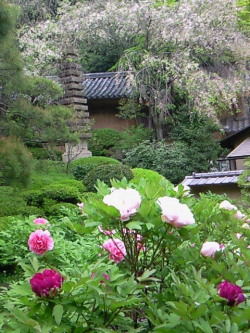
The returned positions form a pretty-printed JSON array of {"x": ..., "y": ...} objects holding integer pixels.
[
  {"x": 40, "y": 242},
  {"x": 116, "y": 248},
  {"x": 231, "y": 292},
  {"x": 40, "y": 220},
  {"x": 227, "y": 205},
  {"x": 175, "y": 213},
  {"x": 106, "y": 232},
  {"x": 210, "y": 248},
  {"x": 80, "y": 205},
  {"x": 126, "y": 201},
  {"x": 47, "y": 283}
]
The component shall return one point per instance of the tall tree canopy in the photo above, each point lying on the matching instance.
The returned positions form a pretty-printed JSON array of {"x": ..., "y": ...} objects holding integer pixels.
[{"x": 196, "y": 46}]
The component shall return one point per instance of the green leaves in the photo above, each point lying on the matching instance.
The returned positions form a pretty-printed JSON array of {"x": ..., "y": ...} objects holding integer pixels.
[{"x": 58, "y": 313}]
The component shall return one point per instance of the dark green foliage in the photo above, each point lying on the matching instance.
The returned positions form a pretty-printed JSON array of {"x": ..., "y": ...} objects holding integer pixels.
[
  {"x": 106, "y": 172},
  {"x": 102, "y": 140},
  {"x": 33, "y": 198},
  {"x": 12, "y": 203},
  {"x": 133, "y": 136},
  {"x": 196, "y": 131},
  {"x": 11, "y": 65},
  {"x": 82, "y": 166},
  {"x": 16, "y": 162},
  {"x": 42, "y": 154},
  {"x": 170, "y": 160},
  {"x": 62, "y": 193},
  {"x": 244, "y": 182},
  {"x": 57, "y": 209}
]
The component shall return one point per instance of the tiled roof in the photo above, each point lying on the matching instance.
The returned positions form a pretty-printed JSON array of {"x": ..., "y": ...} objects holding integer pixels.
[
  {"x": 242, "y": 150},
  {"x": 235, "y": 124},
  {"x": 106, "y": 85},
  {"x": 212, "y": 178}
]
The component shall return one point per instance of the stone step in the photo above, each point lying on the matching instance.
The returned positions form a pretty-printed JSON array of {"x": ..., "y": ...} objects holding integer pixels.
[{"x": 73, "y": 100}]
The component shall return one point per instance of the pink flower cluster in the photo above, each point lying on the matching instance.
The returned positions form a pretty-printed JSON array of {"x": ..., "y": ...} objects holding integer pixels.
[
  {"x": 228, "y": 206},
  {"x": 40, "y": 242},
  {"x": 231, "y": 292},
  {"x": 47, "y": 283},
  {"x": 116, "y": 249},
  {"x": 126, "y": 201},
  {"x": 174, "y": 212}
]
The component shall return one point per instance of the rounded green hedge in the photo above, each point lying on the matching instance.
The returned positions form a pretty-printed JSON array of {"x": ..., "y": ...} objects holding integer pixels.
[
  {"x": 73, "y": 183},
  {"x": 106, "y": 172},
  {"x": 82, "y": 166},
  {"x": 147, "y": 174},
  {"x": 62, "y": 193}
]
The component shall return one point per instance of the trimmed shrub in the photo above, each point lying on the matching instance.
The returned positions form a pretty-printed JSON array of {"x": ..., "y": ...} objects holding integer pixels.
[
  {"x": 102, "y": 140},
  {"x": 71, "y": 182},
  {"x": 12, "y": 204},
  {"x": 33, "y": 198},
  {"x": 57, "y": 209},
  {"x": 63, "y": 193},
  {"x": 149, "y": 175},
  {"x": 106, "y": 172},
  {"x": 82, "y": 166}
]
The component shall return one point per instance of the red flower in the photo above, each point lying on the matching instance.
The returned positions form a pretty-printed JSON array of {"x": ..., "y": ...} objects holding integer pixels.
[
  {"x": 46, "y": 284},
  {"x": 231, "y": 292}
]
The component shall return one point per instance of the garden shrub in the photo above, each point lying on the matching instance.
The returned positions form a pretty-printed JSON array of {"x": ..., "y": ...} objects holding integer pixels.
[
  {"x": 147, "y": 174},
  {"x": 71, "y": 182},
  {"x": 102, "y": 140},
  {"x": 106, "y": 172},
  {"x": 33, "y": 197},
  {"x": 63, "y": 193},
  {"x": 167, "y": 262},
  {"x": 170, "y": 160},
  {"x": 82, "y": 166},
  {"x": 12, "y": 203},
  {"x": 40, "y": 153},
  {"x": 16, "y": 162},
  {"x": 133, "y": 136},
  {"x": 57, "y": 209}
]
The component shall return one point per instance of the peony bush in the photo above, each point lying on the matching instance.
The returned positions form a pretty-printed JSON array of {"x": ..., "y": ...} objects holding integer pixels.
[{"x": 164, "y": 261}]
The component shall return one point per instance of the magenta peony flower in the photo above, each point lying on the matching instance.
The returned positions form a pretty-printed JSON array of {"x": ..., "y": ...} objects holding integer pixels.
[
  {"x": 231, "y": 292},
  {"x": 40, "y": 220},
  {"x": 175, "y": 213},
  {"x": 116, "y": 248},
  {"x": 47, "y": 283},
  {"x": 210, "y": 248},
  {"x": 126, "y": 201},
  {"x": 40, "y": 242}
]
